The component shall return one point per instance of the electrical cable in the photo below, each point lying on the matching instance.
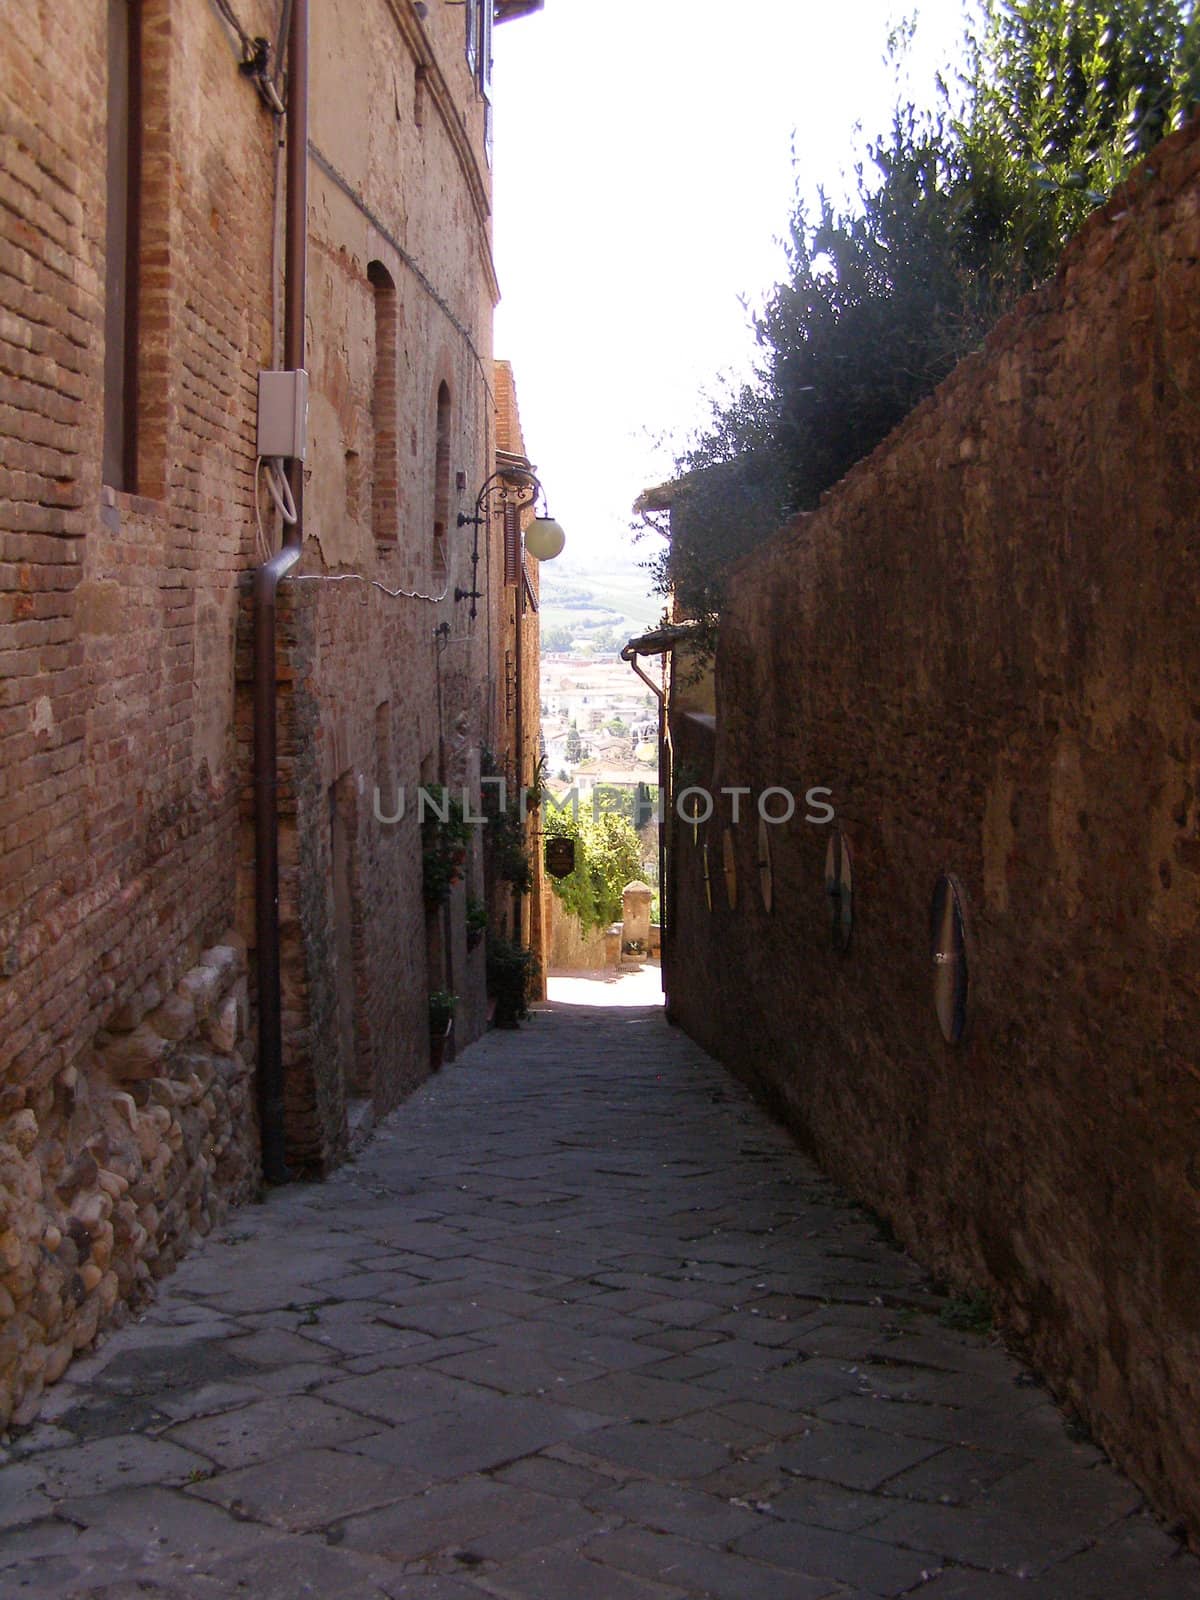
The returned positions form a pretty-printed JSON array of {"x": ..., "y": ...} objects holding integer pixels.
[
  {"x": 373, "y": 583},
  {"x": 280, "y": 491},
  {"x": 285, "y": 18},
  {"x": 256, "y": 59},
  {"x": 264, "y": 544},
  {"x": 244, "y": 38},
  {"x": 410, "y": 261}
]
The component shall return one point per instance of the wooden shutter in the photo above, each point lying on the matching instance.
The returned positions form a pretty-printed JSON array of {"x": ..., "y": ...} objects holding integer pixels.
[
  {"x": 485, "y": 73},
  {"x": 472, "y": 14},
  {"x": 512, "y": 543},
  {"x": 485, "y": 48}
]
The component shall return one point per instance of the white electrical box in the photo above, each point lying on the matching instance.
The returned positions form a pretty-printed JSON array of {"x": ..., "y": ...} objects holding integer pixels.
[{"x": 283, "y": 414}]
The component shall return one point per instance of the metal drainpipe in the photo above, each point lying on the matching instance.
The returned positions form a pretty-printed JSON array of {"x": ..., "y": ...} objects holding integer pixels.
[
  {"x": 267, "y": 579},
  {"x": 628, "y": 654},
  {"x": 519, "y": 669}
]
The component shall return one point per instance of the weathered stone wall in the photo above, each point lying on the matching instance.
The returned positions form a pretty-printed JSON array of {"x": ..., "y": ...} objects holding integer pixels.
[
  {"x": 126, "y": 1157},
  {"x": 568, "y": 947},
  {"x": 984, "y": 642}
]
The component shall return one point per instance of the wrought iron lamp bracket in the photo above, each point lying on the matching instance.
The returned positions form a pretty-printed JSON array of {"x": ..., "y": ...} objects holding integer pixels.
[{"x": 505, "y": 487}]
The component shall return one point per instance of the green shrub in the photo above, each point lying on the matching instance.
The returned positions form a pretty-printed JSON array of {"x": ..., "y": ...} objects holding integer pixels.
[
  {"x": 444, "y": 852},
  {"x": 608, "y": 855},
  {"x": 510, "y": 971},
  {"x": 442, "y": 1006}
]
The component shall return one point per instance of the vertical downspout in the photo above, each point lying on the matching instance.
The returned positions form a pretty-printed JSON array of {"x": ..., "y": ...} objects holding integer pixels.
[
  {"x": 630, "y": 655},
  {"x": 665, "y": 803},
  {"x": 519, "y": 666},
  {"x": 267, "y": 579},
  {"x": 444, "y": 979}
]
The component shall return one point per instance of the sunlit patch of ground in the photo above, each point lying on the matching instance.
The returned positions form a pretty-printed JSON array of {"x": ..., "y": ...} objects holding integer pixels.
[{"x": 639, "y": 986}]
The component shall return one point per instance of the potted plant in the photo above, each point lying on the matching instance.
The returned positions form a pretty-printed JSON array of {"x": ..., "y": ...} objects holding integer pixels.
[
  {"x": 505, "y": 838},
  {"x": 441, "y": 1019},
  {"x": 444, "y": 853},
  {"x": 509, "y": 969},
  {"x": 476, "y": 921}
]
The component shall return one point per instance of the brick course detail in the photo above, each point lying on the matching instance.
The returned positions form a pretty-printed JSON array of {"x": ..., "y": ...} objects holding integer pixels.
[{"x": 125, "y": 627}]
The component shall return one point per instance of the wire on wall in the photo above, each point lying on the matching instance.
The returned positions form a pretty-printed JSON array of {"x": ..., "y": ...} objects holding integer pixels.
[
  {"x": 256, "y": 57},
  {"x": 427, "y": 284},
  {"x": 280, "y": 491},
  {"x": 373, "y": 583}
]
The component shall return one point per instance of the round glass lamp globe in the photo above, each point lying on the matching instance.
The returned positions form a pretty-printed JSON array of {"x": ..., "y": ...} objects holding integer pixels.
[{"x": 544, "y": 539}]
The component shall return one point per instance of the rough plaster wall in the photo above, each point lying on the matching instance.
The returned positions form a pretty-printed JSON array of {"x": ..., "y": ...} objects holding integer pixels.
[
  {"x": 984, "y": 642},
  {"x": 568, "y": 947},
  {"x": 349, "y": 648}
]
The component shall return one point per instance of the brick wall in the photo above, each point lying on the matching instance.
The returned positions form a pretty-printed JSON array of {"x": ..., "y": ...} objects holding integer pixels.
[
  {"x": 399, "y": 201},
  {"x": 126, "y": 1120},
  {"x": 126, "y": 1033},
  {"x": 984, "y": 643},
  {"x": 517, "y": 607}
]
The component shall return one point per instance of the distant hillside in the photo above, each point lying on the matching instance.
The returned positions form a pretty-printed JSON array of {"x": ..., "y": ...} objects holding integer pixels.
[{"x": 587, "y": 600}]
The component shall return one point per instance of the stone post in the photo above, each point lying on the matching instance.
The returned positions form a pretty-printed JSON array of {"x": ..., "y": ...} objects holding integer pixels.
[{"x": 635, "y": 902}]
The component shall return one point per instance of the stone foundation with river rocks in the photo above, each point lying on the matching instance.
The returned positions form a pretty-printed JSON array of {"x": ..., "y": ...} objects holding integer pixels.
[{"x": 110, "y": 1169}]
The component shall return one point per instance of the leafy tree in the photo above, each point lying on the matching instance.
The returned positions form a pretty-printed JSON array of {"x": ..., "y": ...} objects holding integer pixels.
[
  {"x": 637, "y": 804},
  {"x": 609, "y": 639},
  {"x": 959, "y": 211},
  {"x": 607, "y": 857},
  {"x": 1064, "y": 96},
  {"x": 645, "y": 805},
  {"x": 557, "y": 639}
]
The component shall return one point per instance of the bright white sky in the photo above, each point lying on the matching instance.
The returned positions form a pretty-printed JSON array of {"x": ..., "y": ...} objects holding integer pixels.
[{"x": 643, "y": 178}]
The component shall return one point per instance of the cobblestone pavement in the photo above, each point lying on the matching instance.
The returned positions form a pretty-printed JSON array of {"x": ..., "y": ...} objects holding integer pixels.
[{"x": 579, "y": 1324}]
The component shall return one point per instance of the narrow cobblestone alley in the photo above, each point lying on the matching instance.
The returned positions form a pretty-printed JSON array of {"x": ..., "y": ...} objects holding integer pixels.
[{"x": 579, "y": 1324}]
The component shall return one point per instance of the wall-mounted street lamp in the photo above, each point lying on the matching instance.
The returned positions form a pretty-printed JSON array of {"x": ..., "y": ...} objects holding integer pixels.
[
  {"x": 511, "y": 490},
  {"x": 517, "y": 487}
]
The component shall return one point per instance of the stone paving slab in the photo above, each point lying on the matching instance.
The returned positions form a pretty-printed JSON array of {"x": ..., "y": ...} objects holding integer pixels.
[
  {"x": 444, "y": 1519},
  {"x": 119, "y": 1461},
  {"x": 308, "y": 1489},
  {"x": 262, "y": 1430},
  {"x": 568, "y": 1576},
  {"x": 579, "y": 1324},
  {"x": 857, "y": 1458},
  {"x": 166, "y": 1523},
  {"x": 477, "y": 1437},
  {"x": 712, "y": 1570}
]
